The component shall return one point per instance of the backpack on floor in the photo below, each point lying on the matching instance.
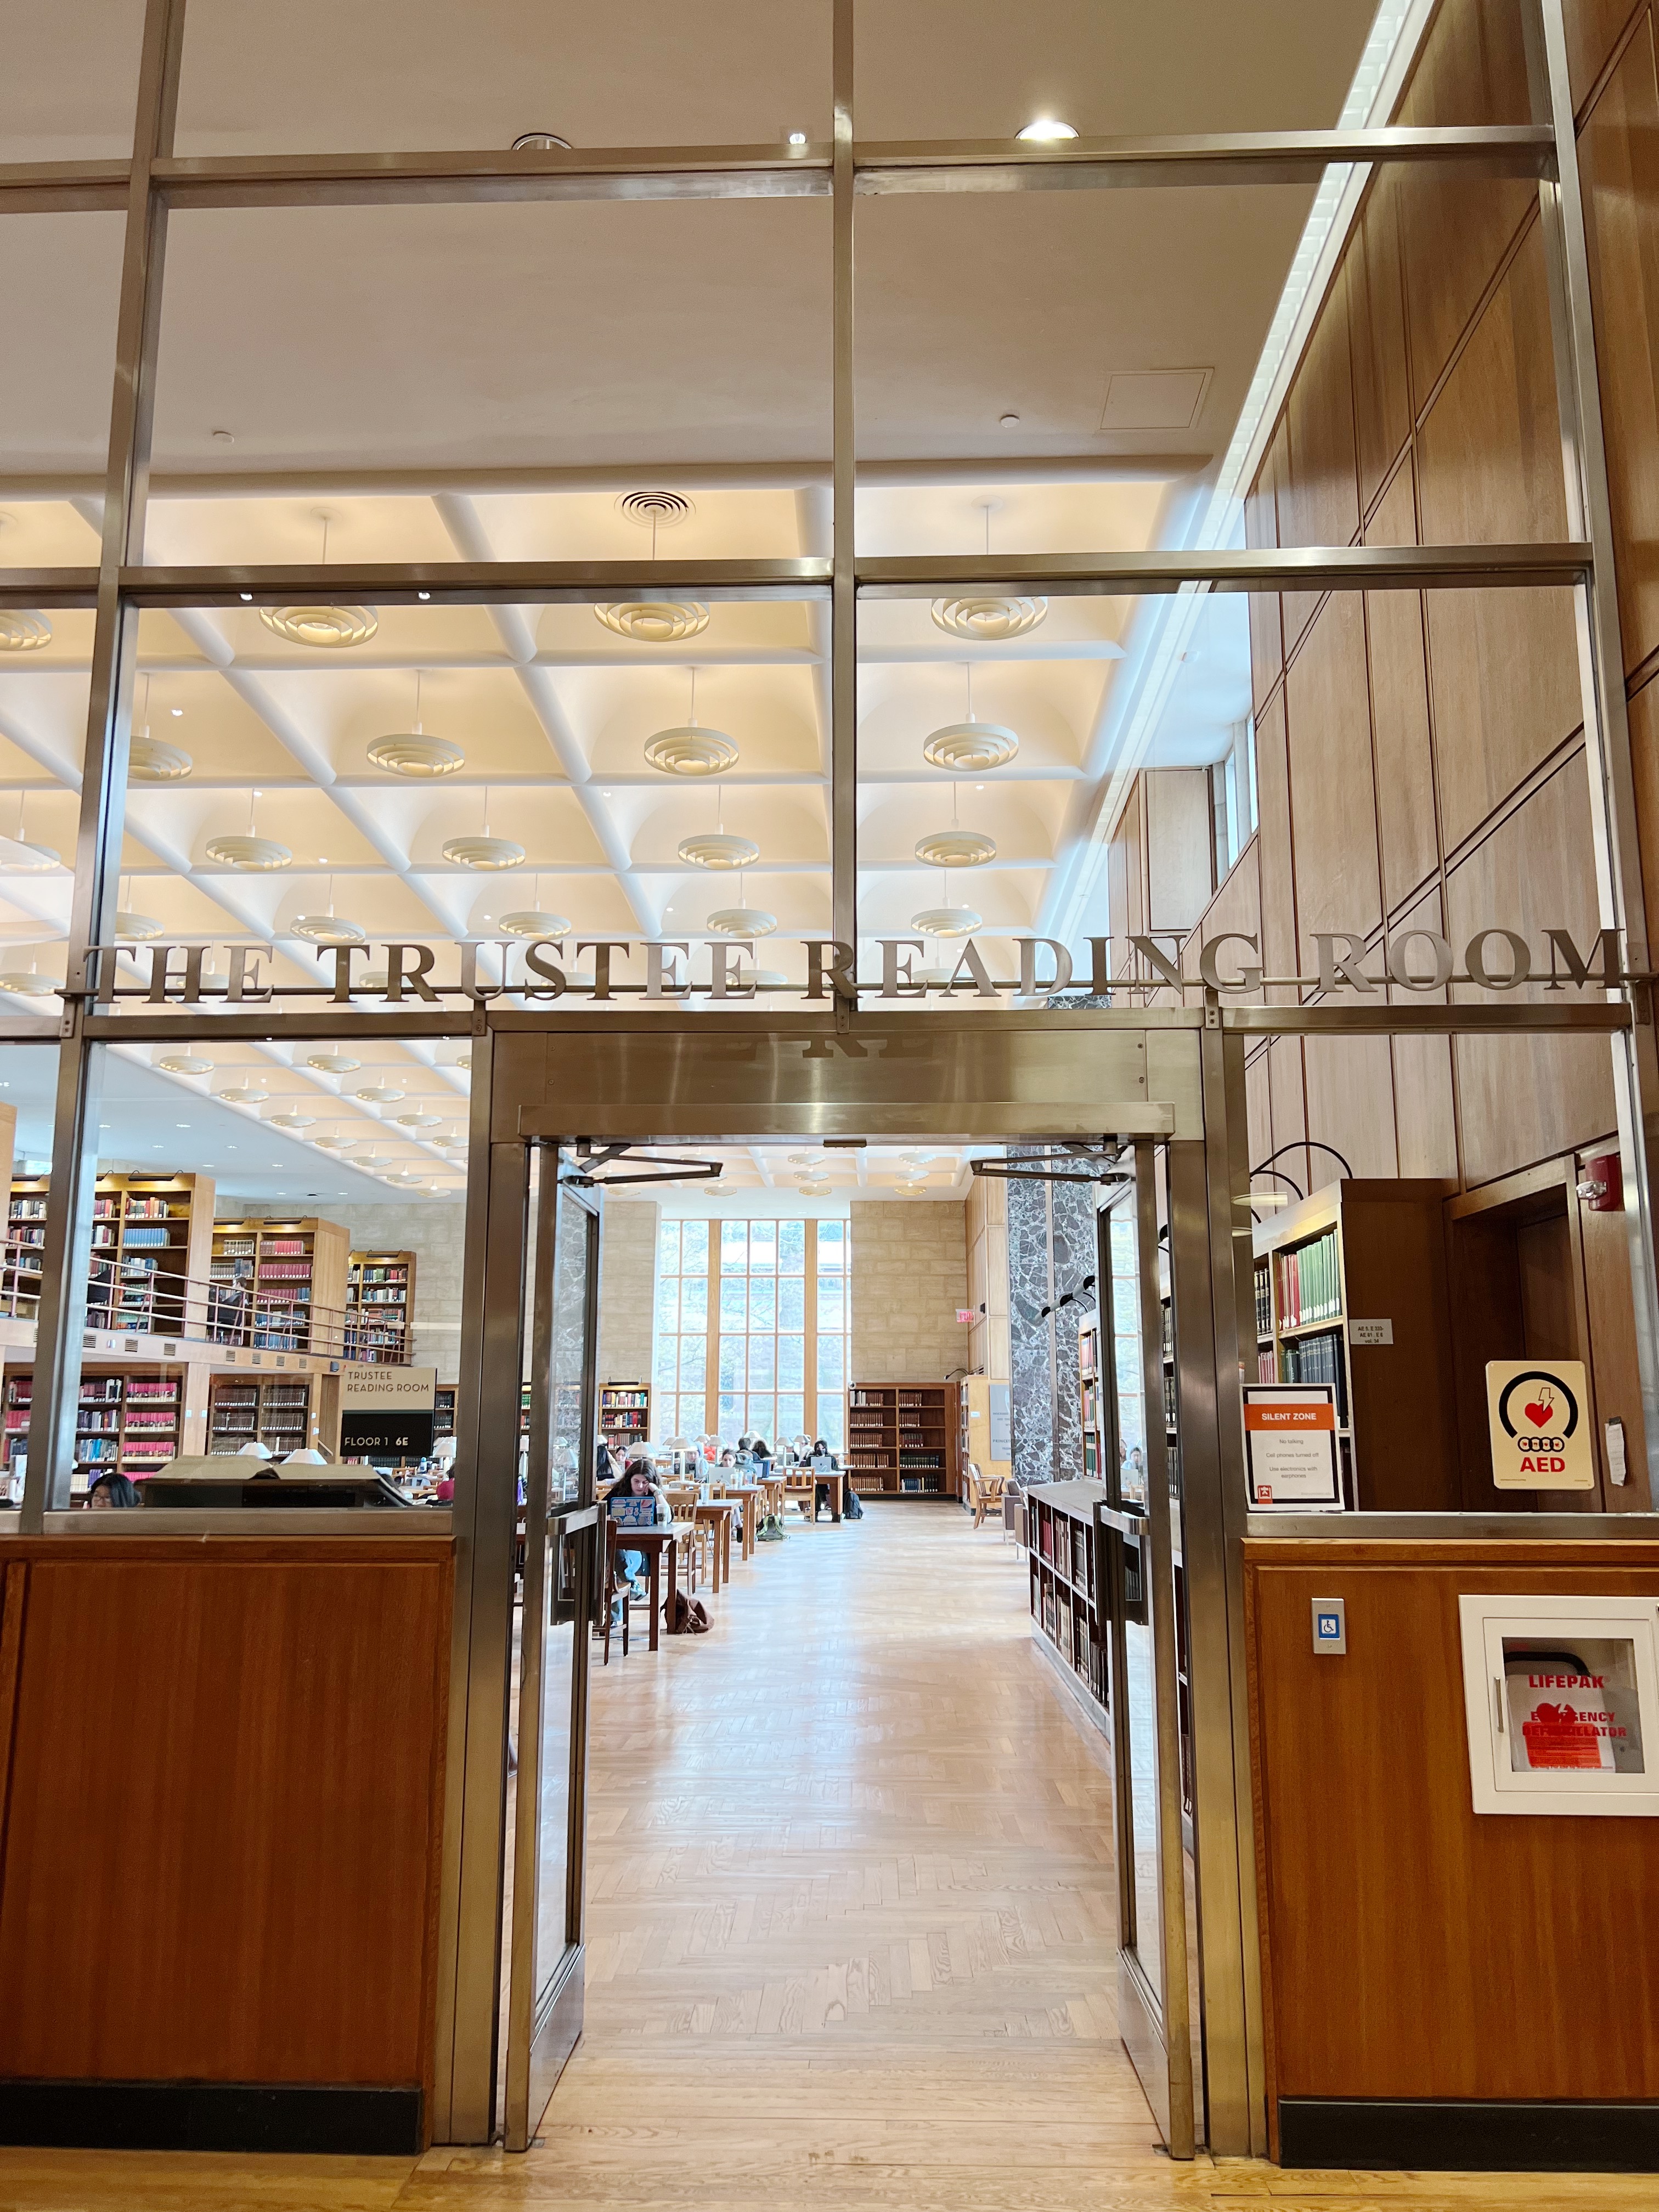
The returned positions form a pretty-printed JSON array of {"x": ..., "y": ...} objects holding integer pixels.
[
  {"x": 685, "y": 1616},
  {"x": 771, "y": 1531},
  {"x": 853, "y": 1510}
]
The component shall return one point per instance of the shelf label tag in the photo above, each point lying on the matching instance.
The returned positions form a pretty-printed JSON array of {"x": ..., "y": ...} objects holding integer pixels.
[{"x": 1371, "y": 1332}]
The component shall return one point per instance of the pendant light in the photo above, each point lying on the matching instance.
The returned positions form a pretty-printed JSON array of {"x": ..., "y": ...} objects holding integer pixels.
[
  {"x": 486, "y": 852},
  {"x": 23, "y": 633},
  {"x": 134, "y": 928},
  {"x": 250, "y": 854},
  {"x": 717, "y": 848},
  {"x": 32, "y": 985},
  {"x": 987, "y": 617},
  {"x": 26, "y": 859},
  {"x": 412, "y": 754},
  {"x": 741, "y": 920},
  {"x": 661, "y": 621},
  {"x": 319, "y": 625},
  {"x": 534, "y": 920},
  {"x": 690, "y": 750},
  {"x": 151, "y": 760},
  {"x": 327, "y": 928},
  {"x": 970, "y": 747}
]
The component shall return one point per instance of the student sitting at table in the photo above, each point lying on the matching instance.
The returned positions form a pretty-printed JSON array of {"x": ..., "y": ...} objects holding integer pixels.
[
  {"x": 824, "y": 1464},
  {"x": 636, "y": 1500}
]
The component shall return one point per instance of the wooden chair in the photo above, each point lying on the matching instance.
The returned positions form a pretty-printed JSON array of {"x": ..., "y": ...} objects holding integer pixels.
[
  {"x": 984, "y": 1494},
  {"x": 693, "y": 1543},
  {"x": 801, "y": 1483}
]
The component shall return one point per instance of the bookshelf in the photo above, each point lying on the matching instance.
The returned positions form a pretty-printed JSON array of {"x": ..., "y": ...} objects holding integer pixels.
[
  {"x": 380, "y": 1308},
  {"x": 151, "y": 1236},
  {"x": 127, "y": 1420},
  {"x": 1067, "y": 1561},
  {"x": 982, "y": 1421},
  {"x": 296, "y": 1271},
  {"x": 1373, "y": 1251},
  {"x": 903, "y": 1439},
  {"x": 443, "y": 1411},
  {"x": 275, "y": 1411},
  {"x": 624, "y": 1413},
  {"x": 26, "y": 1237}
]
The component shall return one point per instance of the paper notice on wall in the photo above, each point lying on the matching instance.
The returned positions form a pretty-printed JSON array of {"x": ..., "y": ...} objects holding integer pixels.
[
  {"x": 1290, "y": 1438},
  {"x": 1573, "y": 1709}
]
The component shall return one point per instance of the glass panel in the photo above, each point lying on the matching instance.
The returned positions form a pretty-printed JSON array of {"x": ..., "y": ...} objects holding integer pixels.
[
  {"x": 732, "y": 1362},
  {"x": 763, "y": 1302},
  {"x": 57, "y": 369},
  {"x": 69, "y": 89},
  {"x": 44, "y": 693},
  {"x": 552, "y": 1903},
  {"x": 832, "y": 1302},
  {"x": 27, "y": 1101},
  {"x": 791, "y": 1247},
  {"x": 763, "y": 1362},
  {"x": 832, "y": 1245},
  {"x": 668, "y": 1249},
  {"x": 831, "y": 1419},
  {"x": 694, "y": 1362},
  {"x": 734, "y": 1248},
  {"x": 667, "y": 1364},
  {"x": 791, "y": 1415},
  {"x": 763, "y": 1246},
  {"x": 729, "y": 1425},
  {"x": 668, "y": 1303},
  {"x": 694, "y": 1246},
  {"x": 792, "y": 1363},
  {"x": 792, "y": 1302},
  {"x": 750, "y": 72},
  {"x": 761, "y": 1421},
  {"x": 694, "y": 1302},
  {"x": 734, "y": 1303},
  {"x": 832, "y": 1373}
]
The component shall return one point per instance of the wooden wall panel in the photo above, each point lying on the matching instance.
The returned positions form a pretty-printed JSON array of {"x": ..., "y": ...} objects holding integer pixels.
[
  {"x": 1333, "y": 805},
  {"x": 1288, "y": 1111},
  {"x": 1272, "y": 842},
  {"x": 1520, "y": 1096},
  {"x": 1377, "y": 324},
  {"x": 1407, "y": 821},
  {"x": 222, "y": 1851},
  {"x": 1350, "y": 1084},
  {"x": 1619, "y": 154},
  {"x": 1318, "y": 503},
  {"x": 1267, "y": 626},
  {"x": 1504, "y": 664},
  {"x": 1258, "y": 1110},
  {"x": 1453, "y": 232},
  {"x": 1644, "y": 762},
  {"x": 1179, "y": 846},
  {"x": 1425, "y": 1104},
  {"x": 1411, "y": 1948},
  {"x": 1594, "y": 28}
]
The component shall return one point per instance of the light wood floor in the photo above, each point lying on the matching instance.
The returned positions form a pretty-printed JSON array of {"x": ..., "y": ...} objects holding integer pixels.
[{"x": 850, "y": 1939}]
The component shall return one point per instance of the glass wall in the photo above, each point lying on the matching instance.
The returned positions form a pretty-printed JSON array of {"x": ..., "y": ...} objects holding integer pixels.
[{"x": 753, "y": 1327}]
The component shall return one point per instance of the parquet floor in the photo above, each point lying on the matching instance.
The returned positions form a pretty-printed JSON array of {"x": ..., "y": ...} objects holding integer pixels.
[{"x": 850, "y": 1940}]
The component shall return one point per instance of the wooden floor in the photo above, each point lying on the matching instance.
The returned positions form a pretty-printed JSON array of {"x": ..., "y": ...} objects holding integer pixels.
[{"x": 850, "y": 1938}]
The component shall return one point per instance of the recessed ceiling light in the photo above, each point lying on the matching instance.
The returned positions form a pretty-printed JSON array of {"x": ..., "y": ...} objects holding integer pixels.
[
  {"x": 177, "y": 712},
  {"x": 540, "y": 141},
  {"x": 224, "y": 437},
  {"x": 1009, "y": 421},
  {"x": 247, "y": 598},
  {"x": 796, "y": 138},
  {"x": 1046, "y": 131},
  {"x": 423, "y": 595}
]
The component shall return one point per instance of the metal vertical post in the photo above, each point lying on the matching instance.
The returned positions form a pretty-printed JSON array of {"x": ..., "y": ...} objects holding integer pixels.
[
  {"x": 485, "y": 1523},
  {"x": 61, "y": 1321},
  {"x": 1601, "y": 670},
  {"x": 843, "y": 605}
]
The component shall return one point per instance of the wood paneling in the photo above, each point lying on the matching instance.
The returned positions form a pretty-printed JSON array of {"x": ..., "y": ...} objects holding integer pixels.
[
  {"x": 1376, "y": 325},
  {"x": 1411, "y": 1948},
  {"x": 1519, "y": 1096},
  {"x": 1618, "y": 154},
  {"x": 1178, "y": 846},
  {"x": 1318, "y": 501},
  {"x": 1425, "y": 1104},
  {"x": 1454, "y": 231},
  {"x": 1272, "y": 845},
  {"x": 1261, "y": 532},
  {"x": 1288, "y": 1110},
  {"x": 1407, "y": 826},
  {"x": 225, "y": 1809},
  {"x": 1594, "y": 28},
  {"x": 1333, "y": 809},
  {"x": 1258, "y": 1109},
  {"x": 1350, "y": 1104}
]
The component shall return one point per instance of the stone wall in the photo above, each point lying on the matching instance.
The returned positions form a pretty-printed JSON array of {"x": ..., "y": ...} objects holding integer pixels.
[
  {"x": 1051, "y": 1248},
  {"x": 909, "y": 1277}
]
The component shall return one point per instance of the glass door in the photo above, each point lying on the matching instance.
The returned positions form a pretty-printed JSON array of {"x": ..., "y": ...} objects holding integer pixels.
[
  {"x": 559, "y": 1578},
  {"x": 1137, "y": 1354}
]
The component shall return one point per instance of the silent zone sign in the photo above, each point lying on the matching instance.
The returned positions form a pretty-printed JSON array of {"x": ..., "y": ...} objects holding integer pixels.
[
  {"x": 1540, "y": 1430},
  {"x": 1289, "y": 1445}
]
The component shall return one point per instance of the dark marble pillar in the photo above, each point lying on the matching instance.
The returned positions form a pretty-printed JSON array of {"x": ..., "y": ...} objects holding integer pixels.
[{"x": 1051, "y": 1248}]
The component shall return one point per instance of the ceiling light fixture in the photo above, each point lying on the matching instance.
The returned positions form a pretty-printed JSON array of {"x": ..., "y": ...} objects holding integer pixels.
[
  {"x": 1045, "y": 130},
  {"x": 328, "y": 929},
  {"x": 796, "y": 138},
  {"x": 715, "y": 848},
  {"x": 379, "y": 1094},
  {"x": 970, "y": 747},
  {"x": 534, "y": 920},
  {"x": 654, "y": 622},
  {"x": 988, "y": 618},
  {"x": 291, "y": 1121},
  {"x": 134, "y": 928},
  {"x": 242, "y": 1094},
  {"x": 485, "y": 852},
  {"x": 946, "y": 921},
  {"x": 321, "y": 627},
  {"x": 956, "y": 849},
  {"x": 419, "y": 1121},
  {"x": 334, "y": 1063},
  {"x": 30, "y": 986},
  {"x": 541, "y": 142},
  {"x": 26, "y": 859},
  {"x": 250, "y": 854},
  {"x": 690, "y": 750},
  {"x": 412, "y": 754},
  {"x": 185, "y": 1063},
  {"x": 23, "y": 633}
]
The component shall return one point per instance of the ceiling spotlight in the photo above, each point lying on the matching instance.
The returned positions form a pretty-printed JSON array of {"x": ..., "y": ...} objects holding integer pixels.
[
  {"x": 327, "y": 929},
  {"x": 986, "y": 618},
  {"x": 334, "y": 1063},
  {"x": 956, "y": 849},
  {"x": 718, "y": 848},
  {"x": 1046, "y": 131},
  {"x": 23, "y": 633},
  {"x": 1009, "y": 421},
  {"x": 325, "y": 628},
  {"x": 151, "y": 761},
  {"x": 796, "y": 138},
  {"x": 185, "y": 1063},
  {"x": 946, "y": 921}
]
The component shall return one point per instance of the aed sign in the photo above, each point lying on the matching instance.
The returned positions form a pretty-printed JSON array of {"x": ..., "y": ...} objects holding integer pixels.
[
  {"x": 1539, "y": 1428},
  {"x": 1289, "y": 1445}
]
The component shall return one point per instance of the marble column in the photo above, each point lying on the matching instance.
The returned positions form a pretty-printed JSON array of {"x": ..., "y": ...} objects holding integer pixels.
[{"x": 1051, "y": 1248}]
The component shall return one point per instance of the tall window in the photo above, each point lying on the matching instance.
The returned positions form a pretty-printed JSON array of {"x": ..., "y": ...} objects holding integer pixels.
[{"x": 752, "y": 1322}]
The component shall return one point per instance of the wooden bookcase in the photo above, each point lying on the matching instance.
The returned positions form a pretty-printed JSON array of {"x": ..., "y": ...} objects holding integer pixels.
[
  {"x": 903, "y": 1439},
  {"x": 295, "y": 1270},
  {"x": 151, "y": 1243},
  {"x": 974, "y": 1427},
  {"x": 1370, "y": 1250},
  {"x": 443, "y": 1410},
  {"x": 128, "y": 1421},
  {"x": 624, "y": 1413},
  {"x": 1066, "y": 1560},
  {"x": 277, "y": 1411},
  {"x": 380, "y": 1308}
]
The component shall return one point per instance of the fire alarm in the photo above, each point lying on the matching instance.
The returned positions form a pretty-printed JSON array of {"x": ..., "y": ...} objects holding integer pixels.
[{"x": 1603, "y": 1189}]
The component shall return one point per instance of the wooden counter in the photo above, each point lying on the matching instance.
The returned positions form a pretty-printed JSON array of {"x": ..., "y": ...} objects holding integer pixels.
[{"x": 222, "y": 1763}]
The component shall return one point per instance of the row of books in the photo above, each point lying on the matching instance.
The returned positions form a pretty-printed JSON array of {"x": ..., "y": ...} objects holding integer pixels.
[{"x": 1310, "y": 1282}]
